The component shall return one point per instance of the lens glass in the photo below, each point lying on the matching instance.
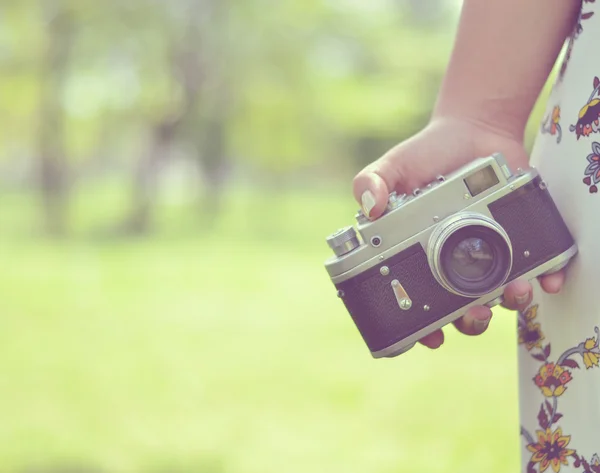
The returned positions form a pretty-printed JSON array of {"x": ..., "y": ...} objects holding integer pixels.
[
  {"x": 475, "y": 260},
  {"x": 472, "y": 259}
]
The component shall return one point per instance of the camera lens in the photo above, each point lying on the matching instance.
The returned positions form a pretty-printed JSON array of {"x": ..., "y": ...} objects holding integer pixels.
[
  {"x": 475, "y": 260},
  {"x": 472, "y": 259},
  {"x": 470, "y": 255}
]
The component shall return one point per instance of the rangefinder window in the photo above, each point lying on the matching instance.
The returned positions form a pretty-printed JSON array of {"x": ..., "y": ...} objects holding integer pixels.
[{"x": 481, "y": 180}]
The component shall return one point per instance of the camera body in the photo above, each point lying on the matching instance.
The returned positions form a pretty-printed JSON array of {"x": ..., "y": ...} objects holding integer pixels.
[{"x": 445, "y": 248}]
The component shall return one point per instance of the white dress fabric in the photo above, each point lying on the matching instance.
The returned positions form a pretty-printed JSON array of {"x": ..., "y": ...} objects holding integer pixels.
[{"x": 559, "y": 354}]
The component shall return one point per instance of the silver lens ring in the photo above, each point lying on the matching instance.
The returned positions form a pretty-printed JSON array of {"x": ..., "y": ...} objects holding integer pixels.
[{"x": 449, "y": 227}]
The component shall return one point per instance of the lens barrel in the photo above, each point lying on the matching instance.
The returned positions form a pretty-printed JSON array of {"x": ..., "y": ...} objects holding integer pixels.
[{"x": 470, "y": 254}]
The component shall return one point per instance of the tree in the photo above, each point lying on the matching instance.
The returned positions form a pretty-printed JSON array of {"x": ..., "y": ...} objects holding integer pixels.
[{"x": 54, "y": 69}]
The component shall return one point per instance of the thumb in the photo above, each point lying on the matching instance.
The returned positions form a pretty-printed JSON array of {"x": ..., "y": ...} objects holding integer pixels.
[{"x": 373, "y": 185}]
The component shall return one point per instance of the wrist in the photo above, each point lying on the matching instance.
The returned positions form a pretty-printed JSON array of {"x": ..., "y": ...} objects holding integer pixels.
[
  {"x": 492, "y": 117},
  {"x": 470, "y": 138}
]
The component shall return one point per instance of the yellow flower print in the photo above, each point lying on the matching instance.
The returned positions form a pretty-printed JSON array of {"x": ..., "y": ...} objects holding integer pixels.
[
  {"x": 556, "y": 115},
  {"x": 552, "y": 379},
  {"x": 551, "y": 124},
  {"x": 531, "y": 313},
  {"x": 530, "y": 333},
  {"x": 590, "y": 358},
  {"x": 549, "y": 452},
  {"x": 550, "y": 449}
]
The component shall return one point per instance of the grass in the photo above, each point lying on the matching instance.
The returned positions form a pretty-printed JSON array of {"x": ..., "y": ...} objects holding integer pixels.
[{"x": 228, "y": 352}]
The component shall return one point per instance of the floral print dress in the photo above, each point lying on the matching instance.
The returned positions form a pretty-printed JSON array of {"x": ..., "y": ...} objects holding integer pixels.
[{"x": 559, "y": 353}]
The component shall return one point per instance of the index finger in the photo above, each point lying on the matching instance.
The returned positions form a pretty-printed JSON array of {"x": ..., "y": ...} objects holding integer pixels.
[
  {"x": 553, "y": 283},
  {"x": 373, "y": 185}
]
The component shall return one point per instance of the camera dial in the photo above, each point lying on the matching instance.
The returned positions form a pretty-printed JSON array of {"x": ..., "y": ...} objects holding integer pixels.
[
  {"x": 361, "y": 218},
  {"x": 343, "y": 241},
  {"x": 395, "y": 201}
]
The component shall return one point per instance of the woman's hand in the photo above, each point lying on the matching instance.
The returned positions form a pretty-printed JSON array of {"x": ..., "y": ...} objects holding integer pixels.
[{"x": 442, "y": 147}]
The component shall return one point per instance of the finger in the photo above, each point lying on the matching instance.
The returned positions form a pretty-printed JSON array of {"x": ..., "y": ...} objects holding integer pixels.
[
  {"x": 517, "y": 295},
  {"x": 373, "y": 185},
  {"x": 433, "y": 340},
  {"x": 475, "y": 321},
  {"x": 553, "y": 283}
]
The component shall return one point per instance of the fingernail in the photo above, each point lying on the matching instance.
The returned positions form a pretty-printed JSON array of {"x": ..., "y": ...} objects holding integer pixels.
[
  {"x": 522, "y": 298},
  {"x": 368, "y": 202},
  {"x": 481, "y": 324}
]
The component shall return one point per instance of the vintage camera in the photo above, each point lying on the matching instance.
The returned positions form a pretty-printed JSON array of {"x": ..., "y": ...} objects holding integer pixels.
[{"x": 451, "y": 245}]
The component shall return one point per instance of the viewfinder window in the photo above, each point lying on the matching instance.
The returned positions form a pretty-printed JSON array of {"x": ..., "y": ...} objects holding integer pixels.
[{"x": 481, "y": 180}]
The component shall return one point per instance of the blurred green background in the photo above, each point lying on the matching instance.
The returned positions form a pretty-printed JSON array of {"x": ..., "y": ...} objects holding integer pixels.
[{"x": 168, "y": 173}]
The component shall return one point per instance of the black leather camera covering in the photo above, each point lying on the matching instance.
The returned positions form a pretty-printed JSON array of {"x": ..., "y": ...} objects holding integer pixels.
[{"x": 533, "y": 224}]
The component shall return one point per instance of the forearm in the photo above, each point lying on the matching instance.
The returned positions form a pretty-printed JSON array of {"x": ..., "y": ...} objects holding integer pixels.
[{"x": 503, "y": 54}]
